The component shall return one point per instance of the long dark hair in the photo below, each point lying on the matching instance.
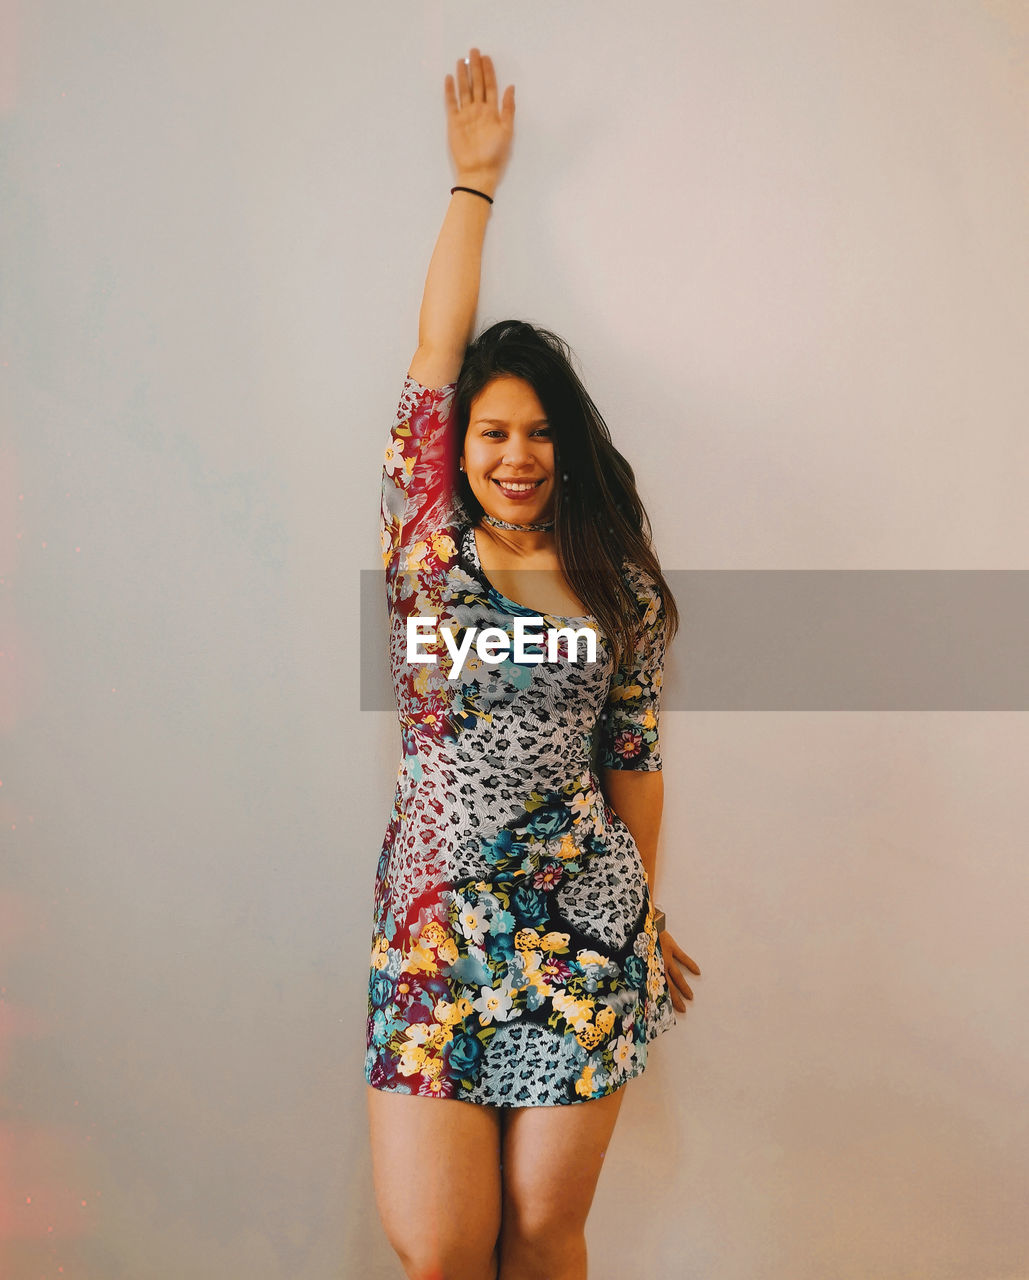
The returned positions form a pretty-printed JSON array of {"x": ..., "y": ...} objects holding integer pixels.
[{"x": 599, "y": 520}]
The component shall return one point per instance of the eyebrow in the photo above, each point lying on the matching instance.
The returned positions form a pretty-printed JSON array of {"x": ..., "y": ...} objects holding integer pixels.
[{"x": 501, "y": 422}]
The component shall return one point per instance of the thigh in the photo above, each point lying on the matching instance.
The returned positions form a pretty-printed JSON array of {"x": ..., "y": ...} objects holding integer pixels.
[
  {"x": 552, "y": 1158},
  {"x": 436, "y": 1169}
]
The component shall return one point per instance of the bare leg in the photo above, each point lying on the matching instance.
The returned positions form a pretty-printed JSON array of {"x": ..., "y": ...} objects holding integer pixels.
[
  {"x": 552, "y": 1161},
  {"x": 436, "y": 1168}
]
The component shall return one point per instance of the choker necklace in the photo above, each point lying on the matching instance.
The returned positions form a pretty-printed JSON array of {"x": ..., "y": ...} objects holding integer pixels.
[{"x": 522, "y": 528}]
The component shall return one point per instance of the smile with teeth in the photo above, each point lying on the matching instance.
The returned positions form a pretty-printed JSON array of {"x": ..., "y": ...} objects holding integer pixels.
[{"x": 518, "y": 486}]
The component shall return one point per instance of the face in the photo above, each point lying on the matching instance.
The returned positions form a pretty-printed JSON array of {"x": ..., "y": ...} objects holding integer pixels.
[{"x": 508, "y": 452}]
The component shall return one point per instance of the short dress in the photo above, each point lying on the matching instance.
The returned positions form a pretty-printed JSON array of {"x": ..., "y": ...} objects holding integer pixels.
[{"x": 514, "y": 958}]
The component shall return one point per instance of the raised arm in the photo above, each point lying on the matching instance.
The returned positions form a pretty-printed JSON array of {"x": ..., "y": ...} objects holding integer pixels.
[{"x": 479, "y": 134}]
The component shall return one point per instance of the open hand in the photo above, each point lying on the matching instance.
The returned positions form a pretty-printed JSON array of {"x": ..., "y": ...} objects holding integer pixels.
[
  {"x": 479, "y": 134},
  {"x": 677, "y": 984}
]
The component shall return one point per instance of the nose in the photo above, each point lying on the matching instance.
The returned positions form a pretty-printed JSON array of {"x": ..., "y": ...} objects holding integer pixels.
[{"x": 517, "y": 452}]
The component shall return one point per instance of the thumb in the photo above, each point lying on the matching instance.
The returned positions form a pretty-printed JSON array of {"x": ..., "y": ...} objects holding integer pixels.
[{"x": 507, "y": 107}]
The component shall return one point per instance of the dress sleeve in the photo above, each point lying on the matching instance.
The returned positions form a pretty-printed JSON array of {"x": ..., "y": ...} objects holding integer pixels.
[
  {"x": 629, "y": 726},
  {"x": 417, "y": 472}
]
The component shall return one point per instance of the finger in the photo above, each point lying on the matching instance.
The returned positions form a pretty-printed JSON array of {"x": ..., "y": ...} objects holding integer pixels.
[
  {"x": 489, "y": 79},
  {"x": 478, "y": 84},
  {"x": 676, "y": 975},
  {"x": 507, "y": 107},
  {"x": 463, "y": 86},
  {"x": 449, "y": 95},
  {"x": 671, "y": 948}
]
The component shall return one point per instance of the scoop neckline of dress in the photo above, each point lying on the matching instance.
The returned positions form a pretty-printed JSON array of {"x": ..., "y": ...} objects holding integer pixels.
[{"x": 474, "y": 555}]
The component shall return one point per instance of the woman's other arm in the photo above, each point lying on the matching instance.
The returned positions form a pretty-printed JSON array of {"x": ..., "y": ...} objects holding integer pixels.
[
  {"x": 479, "y": 135},
  {"x": 638, "y": 799}
]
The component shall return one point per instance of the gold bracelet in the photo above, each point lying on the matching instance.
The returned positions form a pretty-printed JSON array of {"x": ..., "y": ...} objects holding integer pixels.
[{"x": 659, "y": 920}]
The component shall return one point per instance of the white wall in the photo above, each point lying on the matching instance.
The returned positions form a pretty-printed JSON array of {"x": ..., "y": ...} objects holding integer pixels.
[{"x": 784, "y": 240}]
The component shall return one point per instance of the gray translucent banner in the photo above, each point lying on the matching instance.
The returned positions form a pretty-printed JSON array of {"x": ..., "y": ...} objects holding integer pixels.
[{"x": 815, "y": 640}]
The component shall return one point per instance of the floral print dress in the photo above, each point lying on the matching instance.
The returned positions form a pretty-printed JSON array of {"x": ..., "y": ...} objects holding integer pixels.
[{"x": 514, "y": 958}]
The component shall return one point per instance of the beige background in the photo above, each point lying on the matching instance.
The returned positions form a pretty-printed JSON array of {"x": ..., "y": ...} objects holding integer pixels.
[{"x": 785, "y": 241}]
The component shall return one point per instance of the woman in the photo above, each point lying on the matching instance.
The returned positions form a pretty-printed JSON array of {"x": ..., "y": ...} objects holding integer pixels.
[{"x": 518, "y": 974}]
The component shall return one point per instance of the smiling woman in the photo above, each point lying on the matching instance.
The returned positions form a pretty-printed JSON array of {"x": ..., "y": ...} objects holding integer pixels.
[
  {"x": 508, "y": 445},
  {"x": 516, "y": 962}
]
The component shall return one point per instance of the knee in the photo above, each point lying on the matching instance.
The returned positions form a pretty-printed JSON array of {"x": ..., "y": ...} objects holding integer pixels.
[
  {"x": 551, "y": 1237},
  {"x": 450, "y": 1260},
  {"x": 437, "y": 1241}
]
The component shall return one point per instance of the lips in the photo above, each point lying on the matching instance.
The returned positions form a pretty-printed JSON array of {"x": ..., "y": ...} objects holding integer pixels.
[{"x": 518, "y": 495}]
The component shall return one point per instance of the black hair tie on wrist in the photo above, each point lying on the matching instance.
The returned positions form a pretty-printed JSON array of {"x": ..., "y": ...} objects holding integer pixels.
[{"x": 472, "y": 191}]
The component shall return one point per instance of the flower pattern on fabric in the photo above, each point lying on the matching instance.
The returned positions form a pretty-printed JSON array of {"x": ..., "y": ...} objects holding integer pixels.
[
  {"x": 514, "y": 958},
  {"x": 630, "y": 723}
]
